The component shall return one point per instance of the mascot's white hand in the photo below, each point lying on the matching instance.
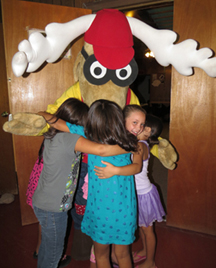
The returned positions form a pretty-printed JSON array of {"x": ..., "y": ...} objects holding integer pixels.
[
  {"x": 19, "y": 63},
  {"x": 49, "y": 46},
  {"x": 32, "y": 53},
  {"x": 29, "y": 50},
  {"x": 26, "y": 124},
  {"x": 167, "y": 154},
  {"x": 183, "y": 56}
]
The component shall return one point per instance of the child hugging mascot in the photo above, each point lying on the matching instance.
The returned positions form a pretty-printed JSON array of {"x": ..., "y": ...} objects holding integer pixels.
[{"x": 104, "y": 69}]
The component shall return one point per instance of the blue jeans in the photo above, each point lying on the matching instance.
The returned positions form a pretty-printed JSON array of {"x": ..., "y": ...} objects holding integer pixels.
[{"x": 53, "y": 227}]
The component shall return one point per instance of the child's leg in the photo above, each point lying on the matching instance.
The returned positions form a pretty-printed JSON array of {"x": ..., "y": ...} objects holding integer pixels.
[
  {"x": 150, "y": 247},
  {"x": 65, "y": 260},
  {"x": 53, "y": 226},
  {"x": 122, "y": 253},
  {"x": 102, "y": 255},
  {"x": 139, "y": 255},
  {"x": 93, "y": 265},
  {"x": 113, "y": 256}
]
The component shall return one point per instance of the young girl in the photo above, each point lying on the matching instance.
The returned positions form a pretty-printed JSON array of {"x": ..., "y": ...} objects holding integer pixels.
[
  {"x": 150, "y": 208},
  {"x": 135, "y": 117},
  {"x": 149, "y": 205},
  {"x": 110, "y": 215},
  {"x": 54, "y": 193}
]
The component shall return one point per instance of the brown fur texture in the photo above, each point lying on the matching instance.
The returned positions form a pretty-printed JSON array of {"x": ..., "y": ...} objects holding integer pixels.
[
  {"x": 90, "y": 92},
  {"x": 26, "y": 124},
  {"x": 167, "y": 154}
]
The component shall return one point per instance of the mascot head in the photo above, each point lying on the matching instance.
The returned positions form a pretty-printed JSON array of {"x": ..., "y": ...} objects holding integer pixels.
[{"x": 105, "y": 66}]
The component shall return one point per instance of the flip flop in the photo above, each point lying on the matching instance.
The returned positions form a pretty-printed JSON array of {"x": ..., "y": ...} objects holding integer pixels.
[
  {"x": 139, "y": 257},
  {"x": 138, "y": 266},
  {"x": 114, "y": 265}
]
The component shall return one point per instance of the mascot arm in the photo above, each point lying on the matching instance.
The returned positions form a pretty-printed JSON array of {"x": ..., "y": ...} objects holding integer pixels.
[
  {"x": 25, "y": 124},
  {"x": 29, "y": 124},
  {"x": 167, "y": 154},
  {"x": 164, "y": 151}
]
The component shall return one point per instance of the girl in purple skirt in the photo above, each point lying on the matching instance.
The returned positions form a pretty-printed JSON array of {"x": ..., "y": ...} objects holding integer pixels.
[{"x": 150, "y": 208}]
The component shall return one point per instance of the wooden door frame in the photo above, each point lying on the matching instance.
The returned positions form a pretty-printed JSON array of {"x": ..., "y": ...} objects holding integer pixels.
[
  {"x": 33, "y": 92},
  {"x": 124, "y": 5}
]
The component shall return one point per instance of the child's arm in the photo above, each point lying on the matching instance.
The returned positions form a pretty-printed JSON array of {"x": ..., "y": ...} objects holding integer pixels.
[
  {"x": 111, "y": 170},
  {"x": 83, "y": 145},
  {"x": 146, "y": 153},
  {"x": 93, "y": 147},
  {"x": 90, "y": 147},
  {"x": 51, "y": 120}
]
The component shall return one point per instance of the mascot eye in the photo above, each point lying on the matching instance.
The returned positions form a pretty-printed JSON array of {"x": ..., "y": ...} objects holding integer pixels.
[
  {"x": 125, "y": 76},
  {"x": 94, "y": 72},
  {"x": 97, "y": 70},
  {"x": 124, "y": 73}
]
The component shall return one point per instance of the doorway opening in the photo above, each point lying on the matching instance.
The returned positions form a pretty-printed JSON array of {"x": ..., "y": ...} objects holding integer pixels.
[{"x": 153, "y": 84}]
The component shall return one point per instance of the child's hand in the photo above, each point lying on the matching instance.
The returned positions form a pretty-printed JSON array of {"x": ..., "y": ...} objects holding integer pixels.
[{"x": 105, "y": 172}]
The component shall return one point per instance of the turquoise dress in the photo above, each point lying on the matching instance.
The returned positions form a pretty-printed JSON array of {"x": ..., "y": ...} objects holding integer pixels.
[{"x": 111, "y": 210}]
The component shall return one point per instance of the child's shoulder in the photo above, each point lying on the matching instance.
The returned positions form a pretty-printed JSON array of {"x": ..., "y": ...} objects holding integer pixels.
[
  {"x": 75, "y": 128},
  {"x": 145, "y": 142},
  {"x": 146, "y": 150}
]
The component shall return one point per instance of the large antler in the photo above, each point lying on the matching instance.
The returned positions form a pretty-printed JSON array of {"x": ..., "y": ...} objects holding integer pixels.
[
  {"x": 183, "y": 56},
  {"x": 38, "y": 49}
]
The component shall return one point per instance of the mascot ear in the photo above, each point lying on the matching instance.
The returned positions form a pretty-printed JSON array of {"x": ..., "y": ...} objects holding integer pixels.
[{"x": 77, "y": 67}]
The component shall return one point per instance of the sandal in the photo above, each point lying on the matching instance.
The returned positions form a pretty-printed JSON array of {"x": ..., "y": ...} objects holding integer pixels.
[
  {"x": 64, "y": 261},
  {"x": 35, "y": 255},
  {"x": 138, "y": 266},
  {"x": 138, "y": 257}
]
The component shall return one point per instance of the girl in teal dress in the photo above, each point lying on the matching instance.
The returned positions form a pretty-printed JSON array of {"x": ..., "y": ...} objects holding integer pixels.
[{"x": 110, "y": 215}]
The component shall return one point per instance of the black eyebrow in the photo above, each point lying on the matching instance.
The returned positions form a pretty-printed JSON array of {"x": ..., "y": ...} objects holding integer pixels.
[{"x": 84, "y": 53}]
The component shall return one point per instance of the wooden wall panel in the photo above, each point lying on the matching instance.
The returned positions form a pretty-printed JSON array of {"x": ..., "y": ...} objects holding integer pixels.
[
  {"x": 161, "y": 93},
  {"x": 33, "y": 92},
  {"x": 191, "y": 200},
  {"x": 69, "y": 3},
  {"x": 8, "y": 182}
]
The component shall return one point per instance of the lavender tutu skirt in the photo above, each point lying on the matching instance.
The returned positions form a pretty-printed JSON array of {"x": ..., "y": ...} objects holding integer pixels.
[{"x": 150, "y": 208}]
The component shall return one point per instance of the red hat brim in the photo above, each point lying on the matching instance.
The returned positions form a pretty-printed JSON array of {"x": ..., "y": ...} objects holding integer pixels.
[{"x": 113, "y": 58}]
